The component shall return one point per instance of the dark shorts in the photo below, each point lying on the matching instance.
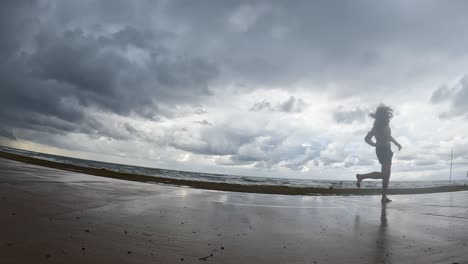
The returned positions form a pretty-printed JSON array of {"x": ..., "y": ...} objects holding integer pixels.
[{"x": 384, "y": 154}]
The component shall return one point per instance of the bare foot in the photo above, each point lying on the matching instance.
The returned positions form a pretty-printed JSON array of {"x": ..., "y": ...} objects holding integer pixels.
[
  {"x": 385, "y": 200},
  {"x": 358, "y": 182}
]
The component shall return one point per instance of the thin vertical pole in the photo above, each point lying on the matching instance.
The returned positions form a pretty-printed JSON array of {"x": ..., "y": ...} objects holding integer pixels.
[{"x": 451, "y": 164}]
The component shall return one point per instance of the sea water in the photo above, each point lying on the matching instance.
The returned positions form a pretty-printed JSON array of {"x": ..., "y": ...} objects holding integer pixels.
[{"x": 224, "y": 178}]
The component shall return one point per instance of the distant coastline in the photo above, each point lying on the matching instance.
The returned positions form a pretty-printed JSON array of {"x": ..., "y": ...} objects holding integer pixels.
[{"x": 267, "y": 189}]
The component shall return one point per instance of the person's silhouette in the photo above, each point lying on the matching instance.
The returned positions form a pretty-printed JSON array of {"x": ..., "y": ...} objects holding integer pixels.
[{"x": 383, "y": 135}]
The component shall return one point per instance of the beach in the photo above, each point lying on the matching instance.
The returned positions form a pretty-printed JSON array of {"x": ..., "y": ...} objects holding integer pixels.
[{"x": 58, "y": 216}]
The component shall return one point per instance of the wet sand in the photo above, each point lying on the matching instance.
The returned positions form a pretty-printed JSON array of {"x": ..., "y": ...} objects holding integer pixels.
[
  {"x": 57, "y": 216},
  {"x": 226, "y": 186}
]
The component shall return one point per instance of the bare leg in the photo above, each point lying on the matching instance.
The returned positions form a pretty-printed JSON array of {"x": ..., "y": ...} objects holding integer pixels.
[
  {"x": 386, "y": 170},
  {"x": 370, "y": 175}
]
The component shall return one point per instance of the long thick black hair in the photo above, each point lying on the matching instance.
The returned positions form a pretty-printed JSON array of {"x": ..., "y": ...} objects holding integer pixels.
[{"x": 382, "y": 116}]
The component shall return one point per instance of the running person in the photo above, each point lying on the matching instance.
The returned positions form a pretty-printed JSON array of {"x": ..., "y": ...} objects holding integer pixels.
[{"x": 383, "y": 136}]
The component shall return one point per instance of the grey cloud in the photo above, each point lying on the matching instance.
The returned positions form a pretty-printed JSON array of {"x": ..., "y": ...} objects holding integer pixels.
[
  {"x": 204, "y": 123},
  {"x": 231, "y": 161},
  {"x": 219, "y": 140},
  {"x": 69, "y": 66},
  {"x": 299, "y": 162},
  {"x": 407, "y": 156},
  {"x": 322, "y": 41},
  {"x": 342, "y": 115},
  {"x": 290, "y": 105},
  {"x": 15, "y": 31},
  {"x": 456, "y": 96},
  {"x": 129, "y": 128},
  {"x": 87, "y": 56},
  {"x": 53, "y": 77},
  {"x": 7, "y": 133},
  {"x": 199, "y": 110},
  {"x": 460, "y": 149},
  {"x": 425, "y": 162},
  {"x": 274, "y": 42},
  {"x": 333, "y": 153},
  {"x": 441, "y": 94},
  {"x": 282, "y": 43},
  {"x": 460, "y": 98},
  {"x": 263, "y": 105},
  {"x": 102, "y": 76},
  {"x": 434, "y": 154},
  {"x": 350, "y": 162},
  {"x": 461, "y": 162},
  {"x": 344, "y": 154},
  {"x": 237, "y": 146}
]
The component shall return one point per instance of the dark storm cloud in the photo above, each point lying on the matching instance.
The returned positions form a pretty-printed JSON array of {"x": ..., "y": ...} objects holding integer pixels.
[
  {"x": 342, "y": 115},
  {"x": 102, "y": 76},
  {"x": 278, "y": 42},
  {"x": 15, "y": 21},
  {"x": 51, "y": 80}
]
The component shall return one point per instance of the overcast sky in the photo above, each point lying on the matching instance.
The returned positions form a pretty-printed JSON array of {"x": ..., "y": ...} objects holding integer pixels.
[{"x": 262, "y": 88}]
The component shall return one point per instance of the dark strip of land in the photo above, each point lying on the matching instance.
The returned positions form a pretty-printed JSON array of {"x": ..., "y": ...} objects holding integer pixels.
[{"x": 271, "y": 189}]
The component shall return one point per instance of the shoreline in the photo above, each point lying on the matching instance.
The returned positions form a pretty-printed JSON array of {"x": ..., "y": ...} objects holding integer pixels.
[{"x": 266, "y": 189}]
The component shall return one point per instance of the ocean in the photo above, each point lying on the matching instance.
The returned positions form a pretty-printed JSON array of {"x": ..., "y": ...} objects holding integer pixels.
[{"x": 226, "y": 178}]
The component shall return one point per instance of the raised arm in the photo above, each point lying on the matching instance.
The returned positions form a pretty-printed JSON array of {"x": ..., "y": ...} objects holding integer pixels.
[
  {"x": 368, "y": 138},
  {"x": 396, "y": 143}
]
